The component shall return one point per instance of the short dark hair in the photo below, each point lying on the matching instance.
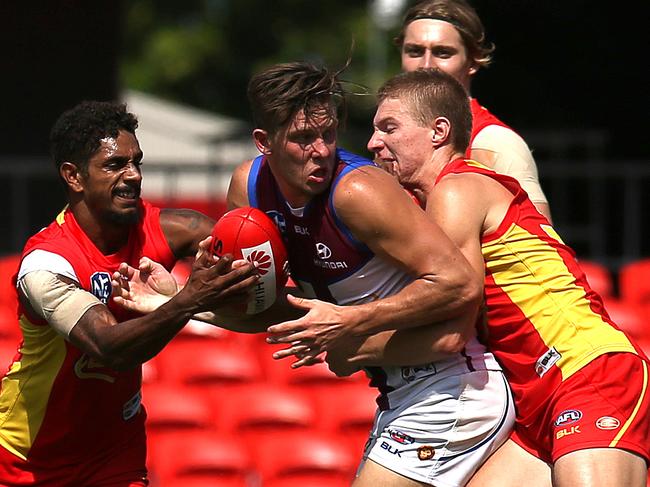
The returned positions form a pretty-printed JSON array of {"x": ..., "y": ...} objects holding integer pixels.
[
  {"x": 77, "y": 133},
  {"x": 462, "y": 16},
  {"x": 431, "y": 93},
  {"x": 279, "y": 92}
]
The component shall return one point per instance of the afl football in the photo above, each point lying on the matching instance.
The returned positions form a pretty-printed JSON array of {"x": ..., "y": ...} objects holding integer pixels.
[{"x": 248, "y": 233}]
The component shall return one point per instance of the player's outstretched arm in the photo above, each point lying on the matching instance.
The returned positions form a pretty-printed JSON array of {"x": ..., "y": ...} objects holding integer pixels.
[
  {"x": 381, "y": 215},
  {"x": 126, "y": 344}
]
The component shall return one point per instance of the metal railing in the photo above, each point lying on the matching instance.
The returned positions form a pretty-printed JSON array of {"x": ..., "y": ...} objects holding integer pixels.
[{"x": 599, "y": 208}]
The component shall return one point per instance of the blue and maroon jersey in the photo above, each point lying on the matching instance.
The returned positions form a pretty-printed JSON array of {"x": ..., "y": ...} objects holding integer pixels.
[{"x": 329, "y": 263}]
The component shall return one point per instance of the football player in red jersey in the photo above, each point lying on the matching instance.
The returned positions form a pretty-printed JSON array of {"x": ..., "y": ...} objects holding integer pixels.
[
  {"x": 580, "y": 383},
  {"x": 448, "y": 35},
  {"x": 70, "y": 401}
]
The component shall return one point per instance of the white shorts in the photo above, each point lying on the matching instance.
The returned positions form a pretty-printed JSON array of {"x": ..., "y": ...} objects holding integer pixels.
[{"x": 442, "y": 434}]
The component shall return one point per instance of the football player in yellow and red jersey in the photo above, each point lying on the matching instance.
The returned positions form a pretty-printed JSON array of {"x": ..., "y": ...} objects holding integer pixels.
[
  {"x": 70, "y": 410},
  {"x": 449, "y": 35},
  {"x": 580, "y": 383}
]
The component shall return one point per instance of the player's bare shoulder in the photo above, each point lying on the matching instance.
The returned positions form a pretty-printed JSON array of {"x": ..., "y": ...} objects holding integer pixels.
[
  {"x": 238, "y": 188},
  {"x": 364, "y": 185}
]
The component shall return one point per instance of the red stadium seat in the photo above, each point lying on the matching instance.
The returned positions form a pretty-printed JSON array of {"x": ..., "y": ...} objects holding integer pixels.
[
  {"x": 347, "y": 411},
  {"x": 8, "y": 267},
  {"x": 9, "y": 327},
  {"x": 256, "y": 410},
  {"x": 314, "y": 480},
  {"x": 629, "y": 317},
  {"x": 598, "y": 277},
  {"x": 346, "y": 407},
  {"x": 198, "y": 456},
  {"x": 8, "y": 351},
  {"x": 634, "y": 282},
  {"x": 290, "y": 455},
  {"x": 171, "y": 409},
  {"x": 208, "y": 363}
]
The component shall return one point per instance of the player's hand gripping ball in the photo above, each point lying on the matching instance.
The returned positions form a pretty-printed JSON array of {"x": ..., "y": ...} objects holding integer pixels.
[{"x": 248, "y": 233}]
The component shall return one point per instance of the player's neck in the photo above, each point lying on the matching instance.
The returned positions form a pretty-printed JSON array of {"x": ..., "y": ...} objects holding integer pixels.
[{"x": 107, "y": 236}]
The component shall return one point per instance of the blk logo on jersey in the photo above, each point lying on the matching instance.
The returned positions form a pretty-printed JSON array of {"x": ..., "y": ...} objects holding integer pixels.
[
  {"x": 567, "y": 432},
  {"x": 568, "y": 417},
  {"x": 390, "y": 449},
  {"x": 546, "y": 361},
  {"x": 100, "y": 284}
]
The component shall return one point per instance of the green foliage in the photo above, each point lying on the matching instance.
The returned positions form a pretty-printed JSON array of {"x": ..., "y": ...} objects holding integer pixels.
[{"x": 203, "y": 52}]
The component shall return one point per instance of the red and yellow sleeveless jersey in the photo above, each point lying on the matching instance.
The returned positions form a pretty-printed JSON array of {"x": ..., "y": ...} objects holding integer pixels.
[
  {"x": 544, "y": 320},
  {"x": 481, "y": 118},
  {"x": 58, "y": 408}
]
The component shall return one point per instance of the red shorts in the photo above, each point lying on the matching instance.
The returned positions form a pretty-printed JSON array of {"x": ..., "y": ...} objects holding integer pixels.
[{"x": 606, "y": 404}]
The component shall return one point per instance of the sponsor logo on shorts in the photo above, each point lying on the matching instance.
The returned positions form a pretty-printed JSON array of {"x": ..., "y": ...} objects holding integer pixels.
[
  {"x": 100, "y": 286},
  {"x": 568, "y": 417},
  {"x": 546, "y": 361},
  {"x": 607, "y": 423},
  {"x": 400, "y": 437},
  {"x": 567, "y": 432},
  {"x": 426, "y": 452},
  {"x": 391, "y": 449},
  {"x": 409, "y": 374}
]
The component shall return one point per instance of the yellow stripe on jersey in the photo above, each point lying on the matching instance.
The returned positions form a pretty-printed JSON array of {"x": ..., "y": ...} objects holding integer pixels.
[
  {"x": 24, "y": 395},
  {"x": 473, "y": 163},
  {"x": 521, "y": 263},
  {"x": 644, "y": 391},
  {"x": 60, "y": 218}
]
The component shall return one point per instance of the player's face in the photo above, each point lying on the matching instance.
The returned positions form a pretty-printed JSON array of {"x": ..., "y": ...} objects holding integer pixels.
[
  {"x": 112, "y": 186},
  {"x": 399, "y": 141},
  {"x": 430, "y": 43},
  {"x": 302, "y": 157}
]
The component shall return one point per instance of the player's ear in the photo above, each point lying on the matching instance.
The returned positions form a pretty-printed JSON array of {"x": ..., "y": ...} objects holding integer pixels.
[
  {"x": 71, "y": 175},
  {"x": 262, "y": 141},
  {"x": 440, "y": 131}
]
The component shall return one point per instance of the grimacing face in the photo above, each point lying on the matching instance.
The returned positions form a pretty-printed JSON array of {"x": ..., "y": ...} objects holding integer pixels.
[
  {"x": 432, "y": 43},
  {"x": 303, "y": 156},
  {"x": 400, "y": 141},
  {"x": 113, "y": 182}
]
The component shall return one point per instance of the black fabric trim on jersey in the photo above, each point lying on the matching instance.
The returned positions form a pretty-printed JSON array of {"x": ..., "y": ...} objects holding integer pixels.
[
  {"x": 379, "y": 379},
  {"x": 468, "y": 360}
]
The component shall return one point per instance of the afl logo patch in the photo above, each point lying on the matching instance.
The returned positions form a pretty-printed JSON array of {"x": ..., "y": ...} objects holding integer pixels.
[
  {"x": 426, "y": 452},
  {"x": 568, "y": 417},
  {"x": 607, "y": 423},
  {"x": 100, "y": 286}
]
